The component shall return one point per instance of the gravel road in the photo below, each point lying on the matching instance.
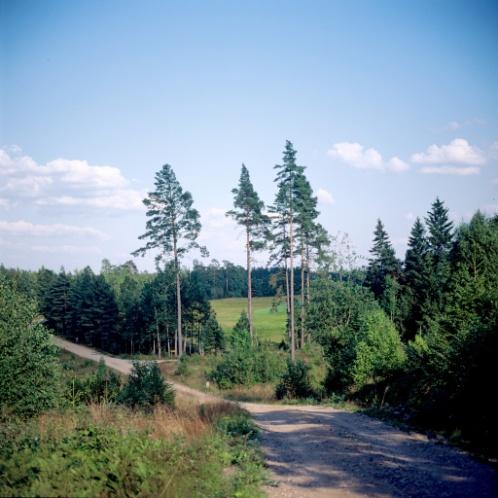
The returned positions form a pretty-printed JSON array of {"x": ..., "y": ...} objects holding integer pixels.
[{"x": 315, "y": 452}]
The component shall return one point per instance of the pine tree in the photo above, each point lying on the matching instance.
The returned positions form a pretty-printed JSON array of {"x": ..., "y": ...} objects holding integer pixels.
[
  {"x": 285, "y": 207},
  {"x": 173, "y": 227},
  {"x": 248, "y": 212},
  {"x": 383, "y": 261},
  {"x": 306, "y": 229}
]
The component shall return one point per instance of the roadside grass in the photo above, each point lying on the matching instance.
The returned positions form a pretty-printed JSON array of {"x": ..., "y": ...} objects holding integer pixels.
[
  {"x": 73, "y": 365},
  {"x": 268, "y": 325}
]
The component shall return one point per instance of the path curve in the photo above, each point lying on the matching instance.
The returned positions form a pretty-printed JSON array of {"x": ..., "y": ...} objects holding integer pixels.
[{"x": 319, "y": 452}]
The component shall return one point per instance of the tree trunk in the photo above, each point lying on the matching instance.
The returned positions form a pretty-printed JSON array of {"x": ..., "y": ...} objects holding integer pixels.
[
  {"x": 302, "y": 296},
  {"x": 291, "y": 294},
  {"x": 308, "y": 291},
  {"x": 249, "y": 284},
  {"x": 158, "y": 338}
]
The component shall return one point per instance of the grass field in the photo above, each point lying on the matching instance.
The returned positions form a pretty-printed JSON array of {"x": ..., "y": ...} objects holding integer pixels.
[{"x": 268, "y": 325}]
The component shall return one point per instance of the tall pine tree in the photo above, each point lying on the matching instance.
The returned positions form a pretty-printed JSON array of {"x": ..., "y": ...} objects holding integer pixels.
[
  {"x": 285, "y": 208},
  {"x": 248, "y": 212},
  {"x": 172, "y": 228}
]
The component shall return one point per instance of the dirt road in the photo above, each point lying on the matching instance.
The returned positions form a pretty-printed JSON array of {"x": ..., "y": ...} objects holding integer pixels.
[{"x": 323, "y": 452}]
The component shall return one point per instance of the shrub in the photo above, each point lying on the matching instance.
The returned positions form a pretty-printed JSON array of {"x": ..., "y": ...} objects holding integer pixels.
[
  {"x": 102, "y": 386},
  {"x": 295, "y": 382},
  {"x": 379, "y": 352},
  {"x": 29, "y": 371},
  {"x": 146, "y": 387}
]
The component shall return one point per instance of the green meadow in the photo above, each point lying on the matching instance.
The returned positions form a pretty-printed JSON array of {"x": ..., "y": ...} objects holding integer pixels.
[{"x": 268, "y": 324}]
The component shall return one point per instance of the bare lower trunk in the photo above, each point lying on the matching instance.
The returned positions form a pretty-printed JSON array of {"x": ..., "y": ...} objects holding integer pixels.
[
  {"x": 291, "y": 293},
  {"x": 308, "y": 292},
  {"x": 158, "y": 338},
  {"x": 180, "y": 350},
  {"x": 302, "y": 297},
  {"x": 249, "y": 285}
]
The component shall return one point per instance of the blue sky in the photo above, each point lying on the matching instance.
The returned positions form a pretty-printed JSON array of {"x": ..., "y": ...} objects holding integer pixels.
[{"x": 389, "y": 105}]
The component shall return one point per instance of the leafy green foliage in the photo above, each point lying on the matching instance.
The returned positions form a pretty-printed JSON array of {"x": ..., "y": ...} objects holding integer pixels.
[
  {"x": 295, "y": 382},
  {"x": 29, "y": 374},
  {"x": 146, "y": 387}
]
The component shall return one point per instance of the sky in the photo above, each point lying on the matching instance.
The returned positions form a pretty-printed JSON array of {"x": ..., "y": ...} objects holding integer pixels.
[{"x": 389, "y": 105}]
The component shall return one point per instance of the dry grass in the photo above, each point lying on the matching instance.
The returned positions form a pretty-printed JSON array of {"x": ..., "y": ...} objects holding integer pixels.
[{"x": 188, "y": 420}]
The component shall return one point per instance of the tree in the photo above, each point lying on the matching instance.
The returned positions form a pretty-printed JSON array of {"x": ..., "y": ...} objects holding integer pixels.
[
  {"x": 56, "y": 308},
  {"x": 440, "y": 240},
  {"x": 285, "y": 208},
  {"x": 415, "y": 275},
  {"x": 248, "y": 212},
  {"x": 172, "y": 227},
  {"x": 29, "y": 373},
  {"x": 382, "y": 263},
  {"x": 309, "y": 234}
]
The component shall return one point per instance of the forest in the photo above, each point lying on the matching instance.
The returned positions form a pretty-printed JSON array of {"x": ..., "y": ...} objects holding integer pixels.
[{"x": 414, "y": 339}]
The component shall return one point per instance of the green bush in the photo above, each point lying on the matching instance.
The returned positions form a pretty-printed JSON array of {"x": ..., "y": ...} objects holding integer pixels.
[
  {"x": 29, "y": 370},
  {"x": 295, "y": 382},
  {"x": 379, "y": 352},
  {"x": 102, "y": 386},
  {"x": 146, "y": 387}
]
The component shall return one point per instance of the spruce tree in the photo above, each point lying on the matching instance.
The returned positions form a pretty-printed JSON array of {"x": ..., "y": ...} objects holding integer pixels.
[
  {"x": 172, "y": 228},
  {"x": 415, "y": 275},
  {"x": 248, "y": 212},
  {"x": 440, "y": 240},
  {"x": 56, "y": 308},
  {"x": 383, "y": 261}
]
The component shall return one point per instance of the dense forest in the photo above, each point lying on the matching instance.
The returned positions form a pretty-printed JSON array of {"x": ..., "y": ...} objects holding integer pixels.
[{"x": 418, "y": 336}]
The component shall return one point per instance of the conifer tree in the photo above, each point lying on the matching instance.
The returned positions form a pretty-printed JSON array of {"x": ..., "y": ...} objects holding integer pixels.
[
  {"x": 306, "y": 229},
  {"x": 285, "y": 208},
  {"x": 440, "y": 240},
  {"x": 248, "y": 212},
  {"x": 56, "y": 307},
  {"x": 172, "y": 228},
  {"x": 383, "y": 261},
  {"x": 415, "y": 276}
]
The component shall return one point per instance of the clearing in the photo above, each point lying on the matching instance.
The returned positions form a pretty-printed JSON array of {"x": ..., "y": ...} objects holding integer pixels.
[
  {"x": 318, "y": 452},
  {"x": 268, "y": 325}
]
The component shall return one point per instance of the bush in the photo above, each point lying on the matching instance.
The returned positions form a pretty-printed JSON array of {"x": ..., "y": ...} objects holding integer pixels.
[
  {"x": 379, "y": 352},
  {"x": 295, "y": 382},
  {"x": 146, "y": 387},
  {"x": 102, "y": 386},
  {"x": 29, "y": 370}
]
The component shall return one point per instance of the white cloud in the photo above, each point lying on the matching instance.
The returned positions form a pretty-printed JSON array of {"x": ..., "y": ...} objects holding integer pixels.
[
  {"x": 409, "y": 216},
  {"x": 4, "y": 203},
  {"x": 397, "y": 165},
  {"x": 458, "y": 151},
  {"x": 325, "y": 197},
  {"x": 22, "y": 227},
  {"x": 67, "y": 249},
  {"x": 66, "y": 182},
  {"x": 450, "y": 170},
  {"x": 357, "y": 156},
  {"x": 354, "y": 154}
]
